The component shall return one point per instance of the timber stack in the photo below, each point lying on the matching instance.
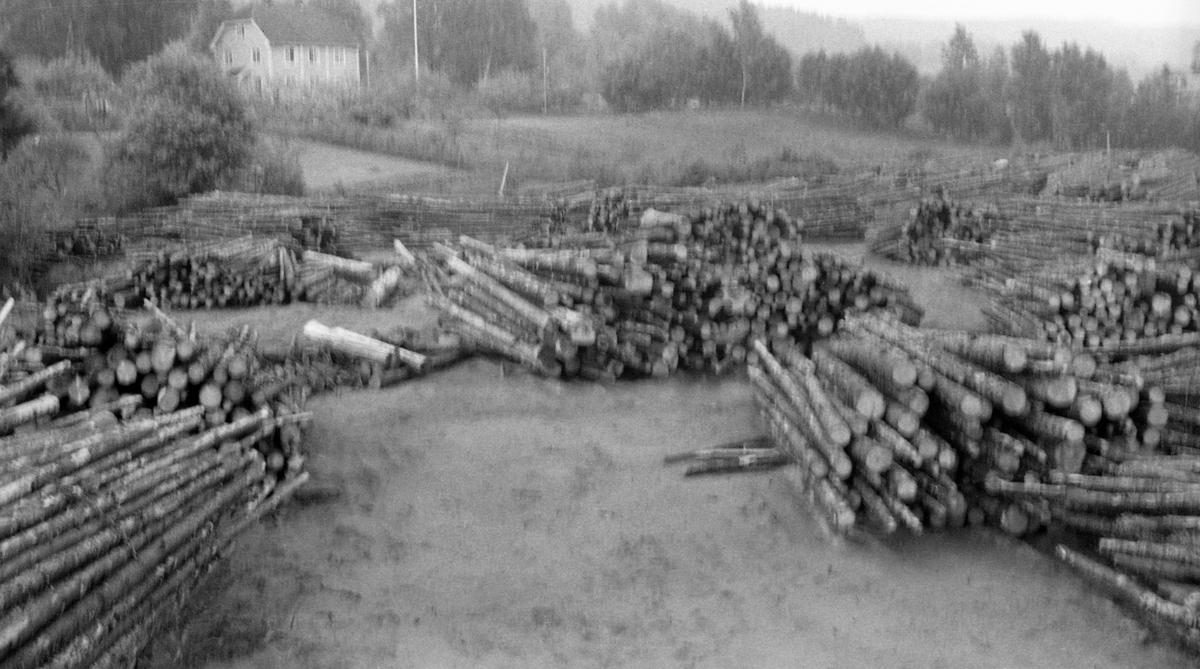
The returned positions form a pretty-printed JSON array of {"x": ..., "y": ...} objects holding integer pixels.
[
  {"x": 928, "y": 236},
  {"x": 1122, "y": 301},
  {"x": 676, "y": 291},
  {"x": 82, "y": 358},
  {"x": 132, "y": 456},
  {"x": 109, "y": 525}
]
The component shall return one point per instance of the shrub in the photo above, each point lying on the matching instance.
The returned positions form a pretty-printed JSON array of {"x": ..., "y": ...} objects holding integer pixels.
[
  {"x": 510, "y": 92},
  {"x": 273, "y": 169},
  {"x": 44, "y": 184},
  {"x": 75, "y": 90},
  {"x": 15, "y": 122},
  {"x": 191, "y": 130}
]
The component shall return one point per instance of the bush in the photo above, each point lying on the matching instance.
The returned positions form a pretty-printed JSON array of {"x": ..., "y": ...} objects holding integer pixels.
[
  {"x": 75, "y": 90},
  {"x": 15, "y": 122},
  {"x": 273, "y": 169},
  {"x": 510, "y": 92},
  {"x": 44, "y": 184},
  {"x": 190, "y": 132}
]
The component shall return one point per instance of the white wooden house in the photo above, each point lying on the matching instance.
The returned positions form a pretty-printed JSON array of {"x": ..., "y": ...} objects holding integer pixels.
[{"x": 287, "y": 47}]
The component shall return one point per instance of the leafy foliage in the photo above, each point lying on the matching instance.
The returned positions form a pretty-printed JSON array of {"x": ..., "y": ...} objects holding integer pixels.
[
  {"x": 653, "y": 56},
  {"x": 467, "y": 39},
  {"x": 870, "y": 84},
  {"x": 117, "y": 32},
  {"x": 190, "y": 130},
  {"x": 14, "y": 122}
]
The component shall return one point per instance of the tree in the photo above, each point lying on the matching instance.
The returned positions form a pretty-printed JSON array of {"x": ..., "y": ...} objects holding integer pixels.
[
  {"x": 117, "y": 32},
  {"x": 954, "y": 102},
  {"x": 466, "y": 39},
  {"x": 1032, "y": 85},
  {"x": 766, "y": 67},
  {"x": 869, "y": 84},
  {"x": 14, "y": 122},
  {"x": 191, "y": 129}
]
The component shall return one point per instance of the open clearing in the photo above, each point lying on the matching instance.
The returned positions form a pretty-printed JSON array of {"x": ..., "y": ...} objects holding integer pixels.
[
  {"x": 328, "y": 168},
  {"x": 490, "y": 518}
]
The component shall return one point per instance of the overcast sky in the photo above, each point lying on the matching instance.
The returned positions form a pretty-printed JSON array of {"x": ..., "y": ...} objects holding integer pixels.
[{"x": 1156, "y": 12}]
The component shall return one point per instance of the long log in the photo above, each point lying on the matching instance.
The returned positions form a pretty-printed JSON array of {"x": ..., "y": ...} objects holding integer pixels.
[
  {"x": 835, "y": 427},
  {"x": 34, "y": 382},
  {"x": 1159, "y": 503},
  {"x": 536, "y": 316},
  {"x": 783, "y": 412},
  {"x": 354, "y": 270},
  {"x": 46, "y": 405},
  {"x": 1128, "y": 589},
  {"x": 801, "y": 404},
  {"x": 121, "y": 570},
  {"x": 854, "y": 389}
]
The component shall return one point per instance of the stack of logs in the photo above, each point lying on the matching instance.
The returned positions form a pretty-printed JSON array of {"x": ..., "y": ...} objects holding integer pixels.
[
  {"x": 1010, "y": 410},
  {"x": 1124, "y": 299},
  {"x": 131, "y": 458},
  {"x": 928, "y": 236},
  {"x": 248, "y": 272},
  {"x": 244, "y": 273},
  {"x": 108, "y": 526},
  {"x": 676, "y": 291},
  {"x": 1170, "y": 238},
  {"x": 82, "y": 357}
]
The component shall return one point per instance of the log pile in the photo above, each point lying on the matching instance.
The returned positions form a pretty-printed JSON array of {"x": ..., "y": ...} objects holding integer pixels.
[
  {"x": 132, "y": 454},
  {"x": 109, "y": 526},
  {"x": 970, "y": 408},
  {"x": 82, "y": 358},
  {"x": 679, "y": 291},
  {"x": 1123, "y": 300},
  {"x": 926, "y": 237},
  {"x": 242, "y": 273}
]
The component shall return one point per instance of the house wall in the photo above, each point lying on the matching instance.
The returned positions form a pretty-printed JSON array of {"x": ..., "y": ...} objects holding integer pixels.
[
  {"x": 299, "y": 65},
  {"x": 237, "y": 45}
]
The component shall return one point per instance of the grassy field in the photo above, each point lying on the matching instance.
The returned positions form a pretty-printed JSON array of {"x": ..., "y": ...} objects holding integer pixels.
[{"x": 665, "y": 148}]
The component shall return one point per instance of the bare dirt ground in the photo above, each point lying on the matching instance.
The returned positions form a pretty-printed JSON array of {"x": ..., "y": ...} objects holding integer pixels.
[{"x": 490, "y": 518}]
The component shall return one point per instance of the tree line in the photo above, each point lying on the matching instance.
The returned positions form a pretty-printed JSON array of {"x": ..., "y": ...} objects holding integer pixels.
[
  {"x": 648, "y": 54},
  {"x": 1070, "y": 97}
]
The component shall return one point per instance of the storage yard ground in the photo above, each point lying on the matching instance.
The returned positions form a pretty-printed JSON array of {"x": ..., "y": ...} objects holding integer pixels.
[{"x": 491, "y": 518}]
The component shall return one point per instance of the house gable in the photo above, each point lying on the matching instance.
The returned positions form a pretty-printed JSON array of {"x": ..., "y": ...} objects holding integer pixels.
[{"x": 287, "y": 46}]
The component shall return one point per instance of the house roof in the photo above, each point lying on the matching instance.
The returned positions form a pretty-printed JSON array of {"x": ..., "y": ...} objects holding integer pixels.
[{"x": 299, "y": 25}]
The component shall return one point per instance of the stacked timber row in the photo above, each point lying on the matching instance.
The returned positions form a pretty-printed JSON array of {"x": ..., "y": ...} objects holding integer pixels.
[
  {"x": 245, "y": 272},
  {"x": 108, "y": 526},
  {"x": 82, "y": 359},
  {"x": 1010, "y": 409},
  {"x": 676, "y": 291},
  {"x": 88, "y": 240},
  {"x": 1124, "y": 299},
  {"x": 1170, "y": 238},
  {"x": 927, "y": 237},
  {"x": 1140, "y": 513},
  {"x": 860, "y": 457},
  {"x": 610, "y": 209}
]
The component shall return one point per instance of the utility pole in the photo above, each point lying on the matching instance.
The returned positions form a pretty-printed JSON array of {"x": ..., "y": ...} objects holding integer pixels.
[
  {"x": 545, "y": 95},
  {"x": 416, "y": 51}
]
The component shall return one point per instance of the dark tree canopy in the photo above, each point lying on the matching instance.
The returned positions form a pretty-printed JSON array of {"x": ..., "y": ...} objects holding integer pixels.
[
  {"x": 14, "y": 122},
  {"x": 869, "y": 84},
  {"x": 117, "y": 32},
  {"x": 469, "y": 40}
]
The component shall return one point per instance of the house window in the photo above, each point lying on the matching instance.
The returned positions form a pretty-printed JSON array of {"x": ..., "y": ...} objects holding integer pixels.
[
  {"x": 338, "y": 55},
  {"x": 228, "y": 57},
  {"x": 291, "y": 54},
  {"x": 256, "y": 55},
  {"x": 312, "y": 54},
  {"x": 241, "y": 30}
]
